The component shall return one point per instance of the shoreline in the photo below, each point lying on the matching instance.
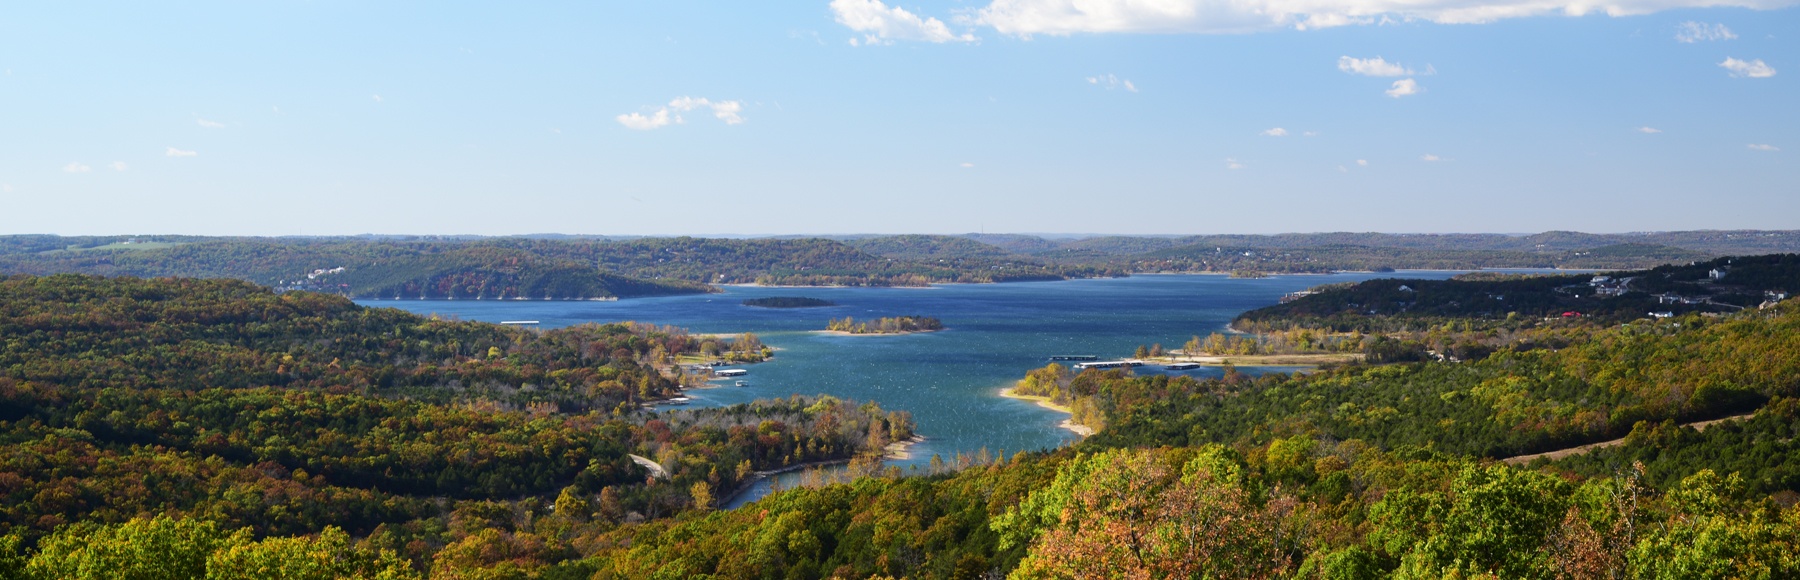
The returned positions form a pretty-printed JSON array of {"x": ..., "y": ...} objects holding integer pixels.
[
  {"x": 900, "y": 450},
  {"x": 1263, "y": 360},
  {"x": 932, "y": 286},
  {"x": 1069, "y": 423}
]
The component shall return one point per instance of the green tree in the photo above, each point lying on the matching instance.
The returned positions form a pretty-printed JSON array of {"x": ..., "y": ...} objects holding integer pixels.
[
  {"x": 327, "y": 556},
  {"x": 160, "y": 548}
]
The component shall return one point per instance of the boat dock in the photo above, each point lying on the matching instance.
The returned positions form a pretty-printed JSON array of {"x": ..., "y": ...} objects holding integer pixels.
[
  {"x": 730, "y": 372},
  {"x": 1111, "y": 364},
  {"x": 1181, "y": 366},
  {"x": 1073, "y": 357}
]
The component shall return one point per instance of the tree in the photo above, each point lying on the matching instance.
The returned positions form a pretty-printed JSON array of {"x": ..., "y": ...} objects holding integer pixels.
[
  {"x": 702, "y": 496},
  {"x": 328, "y": 556},
  {"x": 160, "y": 548}
]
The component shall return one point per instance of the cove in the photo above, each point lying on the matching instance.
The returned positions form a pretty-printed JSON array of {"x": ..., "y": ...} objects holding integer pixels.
[{"x": 949, "y": 380}]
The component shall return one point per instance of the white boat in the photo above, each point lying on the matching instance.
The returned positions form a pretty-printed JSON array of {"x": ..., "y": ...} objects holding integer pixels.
[{"x": 743, "y": 383}]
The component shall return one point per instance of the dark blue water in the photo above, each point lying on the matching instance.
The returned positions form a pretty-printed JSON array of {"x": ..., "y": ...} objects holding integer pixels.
[{"x": 949, "y": 380}]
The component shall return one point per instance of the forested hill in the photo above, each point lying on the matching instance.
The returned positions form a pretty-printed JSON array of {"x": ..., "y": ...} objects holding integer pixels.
[
  {"x": 508, "y": 268},
  {"x": 361, "y": 269},
  {"x": 1357, "y": 472},
  {"x": 561, "y": 267},
  {"x": 1515, "y": 301},
  {"x": 254, "y": 423}
]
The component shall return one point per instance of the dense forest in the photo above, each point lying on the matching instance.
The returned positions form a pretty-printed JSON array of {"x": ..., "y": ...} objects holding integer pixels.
[
  {"x": 574, "y": 267},
  {"x": 268, "y": 415},
  {"x": 1365, "y": 470}
]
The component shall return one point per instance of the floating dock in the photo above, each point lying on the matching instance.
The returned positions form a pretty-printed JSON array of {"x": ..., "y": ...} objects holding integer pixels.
[
  {"x": 730, "y": 372},
  {"x": 1074, "y": 357},
  {"x": 1182, "y": 366},
  {"x": 1111, "y": 364}
]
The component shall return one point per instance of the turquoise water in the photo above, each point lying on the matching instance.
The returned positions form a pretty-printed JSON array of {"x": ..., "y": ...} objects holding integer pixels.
[{"x": 949, "y": 380}]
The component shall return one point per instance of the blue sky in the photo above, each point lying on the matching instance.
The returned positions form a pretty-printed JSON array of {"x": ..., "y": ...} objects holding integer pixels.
[{"x": 841, "y": 116}]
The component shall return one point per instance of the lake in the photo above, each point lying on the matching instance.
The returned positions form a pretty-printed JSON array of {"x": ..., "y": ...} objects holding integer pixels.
[{"x": 948, "y": 380}]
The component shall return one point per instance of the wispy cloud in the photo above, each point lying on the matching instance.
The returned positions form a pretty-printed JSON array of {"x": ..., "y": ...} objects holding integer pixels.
[
  {"x": 210, "y": 124},
  {"x": 118, "y": 166},
  {"x": 1362, "y": 163},
  {"x": 728, "y": 111},
  {"x": 1372, "y": 67},
  {"x": 1649, "y": 130},
  {"x": 376, "y": 97},
  {"x": 1233, "y": 164},
  {"x": 965, "y": 165},
  {"x": 6, "y": 188},
  {"x": 173, "y": 152},
  {"x": 1110, "y": 82},
  {"x": 642, "y": 122},
  {"x": 1276, "y": 132},
  {"x": 76, "y": 167},
  {"x": 1755, "y": 69},
  {"x": 1430, "y": 158},
  {"x": 1764, "y": 147},
  {"x": 1691, "y": 32},
  {"x": 880, "y": 24},
  {"x": 1025, "y": 18},
  {"x": 1404, "y": 87}
]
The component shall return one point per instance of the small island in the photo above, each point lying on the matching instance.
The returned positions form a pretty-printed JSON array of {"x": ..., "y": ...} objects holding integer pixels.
[
  {"x": 886, "y": 325},
  {"x": 788, "y": 302}
]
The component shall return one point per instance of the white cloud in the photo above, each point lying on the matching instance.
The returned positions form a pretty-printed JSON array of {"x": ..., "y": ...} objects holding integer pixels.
[
  {"x": 642, "y": 123},
  {"x": 1429, "y": 157},
  {"x": 76, "y": 167},
  {"x": 727, "y": 111},
  {"x": 173, "y": 152},
  {"x": 1233, "y": 164},
  {"x": 117, "y": 166},
  {"x": 376, "y": 97},
  {"x": 1372, "y": 67},
  {"x": 211, "y": 124},
  {"x": 880, "y": 24},
  {"x": 1111, "y": 82},
  {"x": 1403, "y": 87},
  {"x": 6, "y": 188},
  {"x": 1362, "y": 163},
  {"x": 1764, "y": 147},
  {"x": 1310, "y": 134},
  {"x": 1755, "y": 69},
  {"x": 1649, "y": 130},
  {"x": 1691, "y": 32},
  {"x": 966, "y": 165},
  {"x": 1062, "y": 17},
  {"x": 1276, "y": 132}
]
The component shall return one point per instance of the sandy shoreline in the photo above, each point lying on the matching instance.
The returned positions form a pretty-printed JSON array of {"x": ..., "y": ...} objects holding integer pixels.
[
  {"x": 898, "y": 450},
  {"x": 1070, "y": 424}
]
